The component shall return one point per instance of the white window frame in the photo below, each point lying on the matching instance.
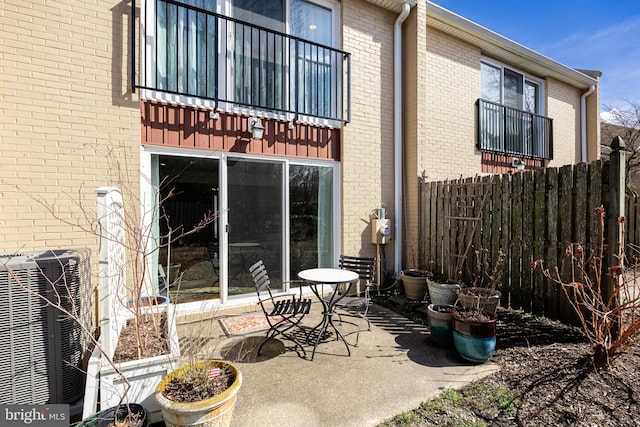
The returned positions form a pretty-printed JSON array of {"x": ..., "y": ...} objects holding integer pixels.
[
  {"x": 147, "y": 151},
  {"x": 525, "y": 78}
]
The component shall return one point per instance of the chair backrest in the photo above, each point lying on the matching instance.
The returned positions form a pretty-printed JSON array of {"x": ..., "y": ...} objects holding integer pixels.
[
  {"x": 365, "y": 267},
  {"x": 260, "y": 277}
]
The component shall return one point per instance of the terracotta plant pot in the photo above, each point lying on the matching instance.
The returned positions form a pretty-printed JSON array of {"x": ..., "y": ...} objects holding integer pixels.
[
  {"x": 414, "y": 283},
  {"x": 474, "y": 336},
  {"x": 215, "y": 411}
]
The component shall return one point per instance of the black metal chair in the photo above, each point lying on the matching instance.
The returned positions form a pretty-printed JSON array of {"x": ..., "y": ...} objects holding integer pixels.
[
  {"x": 356, "y": 298},
  {"x": 283, "y": 312}
]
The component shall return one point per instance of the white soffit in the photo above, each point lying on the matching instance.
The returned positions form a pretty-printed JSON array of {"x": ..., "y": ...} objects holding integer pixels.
[
  {"x": 504, "y": 49},
  {"x": 393, "y": 5}
]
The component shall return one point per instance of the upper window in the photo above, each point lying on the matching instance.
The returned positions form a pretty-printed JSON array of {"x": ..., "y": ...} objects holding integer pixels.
[
  {"x": 509, "y": 114},
  {"x": 510, "y": 88}
]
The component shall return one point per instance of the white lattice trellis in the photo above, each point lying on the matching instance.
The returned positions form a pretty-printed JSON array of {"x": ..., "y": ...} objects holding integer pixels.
[{"x": 112, "y": 262}]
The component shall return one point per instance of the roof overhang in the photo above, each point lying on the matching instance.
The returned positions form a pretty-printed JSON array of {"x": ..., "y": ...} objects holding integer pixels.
[
  {"x": 393, "y": 5},
  {"x": 503, "y": 49}
]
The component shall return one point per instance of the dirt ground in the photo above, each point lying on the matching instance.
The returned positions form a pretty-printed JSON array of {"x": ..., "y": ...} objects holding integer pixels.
[{"x": 547, "y": 366}]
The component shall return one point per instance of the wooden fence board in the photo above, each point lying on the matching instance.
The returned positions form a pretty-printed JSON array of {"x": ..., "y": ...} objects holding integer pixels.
[
  {"x": 517, "y": 280},
  {"x": 528, "y": 237},
  {"x": 539, "y": 219},
  {"x": 442, "y": 195},
  {"x": 504, "y": 200},
  {"x": 581, "y": 216},
  {"x": 433, "y": 203},
  {"x": 551, "y": 301},
  {"x": 565, "y": 206}
]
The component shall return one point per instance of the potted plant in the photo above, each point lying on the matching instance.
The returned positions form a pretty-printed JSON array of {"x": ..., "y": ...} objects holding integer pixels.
[
  {"x": 487, "y": 277},
  {"x": 474, "y": 333},
  {"x": 441, "y": 323},
  {"x": 414, "y": 280},
  {"x": 200, "y": 393}
]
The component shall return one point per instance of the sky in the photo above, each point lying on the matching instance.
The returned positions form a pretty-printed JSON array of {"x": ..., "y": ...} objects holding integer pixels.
[{"x": 588, "y": 34}]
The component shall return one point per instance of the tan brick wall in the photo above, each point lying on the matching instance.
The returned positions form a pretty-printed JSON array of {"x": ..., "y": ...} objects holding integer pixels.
[
  {"x": 64, "y": 100},
  {"x": 563, "y": 106},
  {"x": 416, "y": 147},
  {"x": 367, "y": 148},
  {"x": 453, "y": 86}
]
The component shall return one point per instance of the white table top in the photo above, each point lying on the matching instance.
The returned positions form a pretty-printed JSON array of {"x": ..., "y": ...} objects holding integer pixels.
[{"x": 328, "y": 275}]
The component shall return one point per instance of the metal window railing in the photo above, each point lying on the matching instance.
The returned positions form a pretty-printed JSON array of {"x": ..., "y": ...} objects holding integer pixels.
[
  {"x": 193, "y": 52},
  {"x": 511, "y": 131}
]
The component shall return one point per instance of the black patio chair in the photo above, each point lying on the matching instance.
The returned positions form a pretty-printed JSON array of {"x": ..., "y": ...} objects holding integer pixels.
[
  {"x": 355, "y": 299},
  {"x": 283, "y": 312}
]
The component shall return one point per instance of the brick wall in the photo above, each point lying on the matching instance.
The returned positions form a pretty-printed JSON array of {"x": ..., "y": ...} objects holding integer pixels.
[
  {"x": 416, "y": 148},
  {"x": 367, "y": 146},
  {"x": 563, "y": 106},
  {"x": 453, "y": 86},
  {"x": 64, "y": 100}
]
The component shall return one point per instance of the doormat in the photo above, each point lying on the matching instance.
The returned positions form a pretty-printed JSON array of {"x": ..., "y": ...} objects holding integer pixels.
[{"x": 244, "y": 324}]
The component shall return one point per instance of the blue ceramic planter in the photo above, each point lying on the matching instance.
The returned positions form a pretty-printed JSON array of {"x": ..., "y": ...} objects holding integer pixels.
[
  {"x": 474, "y": 338},
  {"x": 441, "y": 324},
  {"x": 473, "y": 349}
]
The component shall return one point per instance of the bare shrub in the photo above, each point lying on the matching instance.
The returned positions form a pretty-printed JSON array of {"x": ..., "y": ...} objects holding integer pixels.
[{"x": 610, "y": 319}]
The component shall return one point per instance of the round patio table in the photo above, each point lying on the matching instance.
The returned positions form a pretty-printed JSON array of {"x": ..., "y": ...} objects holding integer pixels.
[{"x": 316, "y": 278}]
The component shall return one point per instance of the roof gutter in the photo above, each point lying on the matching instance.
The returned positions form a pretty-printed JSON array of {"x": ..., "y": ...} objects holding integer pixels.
[
  {"x": 397, "y": 126},
  {"x": 583, "y": 121}
]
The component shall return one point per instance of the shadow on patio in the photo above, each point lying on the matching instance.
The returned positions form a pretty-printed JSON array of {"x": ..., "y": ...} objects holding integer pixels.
[{"x": 394, "y": 369}]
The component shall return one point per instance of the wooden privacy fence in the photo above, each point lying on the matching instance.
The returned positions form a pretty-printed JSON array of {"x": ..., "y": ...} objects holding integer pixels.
[{"x": 528, "y": 216}]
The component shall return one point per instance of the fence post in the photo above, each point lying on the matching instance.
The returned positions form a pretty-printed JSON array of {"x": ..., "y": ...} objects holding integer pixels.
[{"x": 617, "y": 174}]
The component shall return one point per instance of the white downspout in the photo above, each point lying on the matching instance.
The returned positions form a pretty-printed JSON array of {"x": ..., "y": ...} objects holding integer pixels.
[
  {"x": 583, "y": 120},
  {"x": 397, "y": 126}
]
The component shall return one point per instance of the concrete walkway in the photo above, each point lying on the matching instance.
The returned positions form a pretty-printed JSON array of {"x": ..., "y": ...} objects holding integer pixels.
[{"x": 394, "y": 369}]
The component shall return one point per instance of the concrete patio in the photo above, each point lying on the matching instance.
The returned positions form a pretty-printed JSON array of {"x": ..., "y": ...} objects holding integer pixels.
[{"x": 394, "y": 369}]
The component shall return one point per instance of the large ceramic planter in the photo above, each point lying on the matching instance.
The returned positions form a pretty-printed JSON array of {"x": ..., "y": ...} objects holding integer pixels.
[
  {"x": 479, "y": 298},
  {"x": 213, "y": 412},
  {"x": 475, "y": 339},
  {"x": 441, "y": 323},
  {"x": 443, "y": 293},
  {"x": 414, "y": 283}
]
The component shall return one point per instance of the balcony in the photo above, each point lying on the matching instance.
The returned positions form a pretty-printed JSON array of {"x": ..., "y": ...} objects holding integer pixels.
[
  {"x": 196, "y": 54},
  {"x": 515, "y": 132}
]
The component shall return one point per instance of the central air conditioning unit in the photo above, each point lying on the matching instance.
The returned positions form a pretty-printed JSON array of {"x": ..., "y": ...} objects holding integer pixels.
[{"x": 44, "y": 351}]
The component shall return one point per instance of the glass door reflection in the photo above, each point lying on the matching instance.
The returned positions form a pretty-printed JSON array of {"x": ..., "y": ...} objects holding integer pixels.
[{"x": 255, "y": 201}]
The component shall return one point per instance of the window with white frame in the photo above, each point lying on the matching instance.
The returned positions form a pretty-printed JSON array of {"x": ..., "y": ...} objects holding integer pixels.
[{"x": 510, "y": 110}]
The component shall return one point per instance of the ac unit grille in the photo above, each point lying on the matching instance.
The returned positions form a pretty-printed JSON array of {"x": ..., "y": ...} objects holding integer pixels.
[{"x": 43, "y": 348}]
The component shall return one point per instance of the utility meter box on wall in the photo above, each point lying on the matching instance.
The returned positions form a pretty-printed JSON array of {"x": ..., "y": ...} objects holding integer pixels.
[{"x": 380, "y": 231}]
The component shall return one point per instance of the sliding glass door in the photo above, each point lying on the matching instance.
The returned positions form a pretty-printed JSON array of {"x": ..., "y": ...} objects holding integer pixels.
[
  {"x": 271, "y": 210},
  {"x": 256, "y": 221}
]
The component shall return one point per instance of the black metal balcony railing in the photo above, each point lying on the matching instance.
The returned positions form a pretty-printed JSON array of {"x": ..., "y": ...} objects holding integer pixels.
[
  {"x": 197, "y": 53},
  {"x": 510, "y": 131}
]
